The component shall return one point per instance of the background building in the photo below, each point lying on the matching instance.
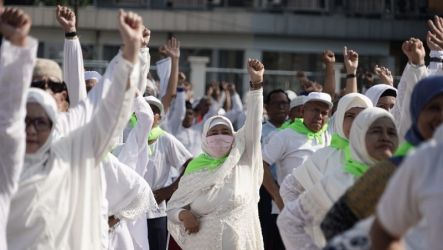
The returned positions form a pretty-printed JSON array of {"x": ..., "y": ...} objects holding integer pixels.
[{"x": 288, "y": 35}]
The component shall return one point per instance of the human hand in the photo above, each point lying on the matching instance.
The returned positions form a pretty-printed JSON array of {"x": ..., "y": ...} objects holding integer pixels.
[
  {"x": 350, "y": 60},
  {"x": 384, "y": 74},
  {"x": 162, "y": 194},
  {"x": 255, "y": 71},
  {"x": 66, "y": 18},
  {"x": 15, "y": 25},
  {"x": 434, "y": 38},
  {"x": 328, "y": 57},
  {"x": 414, "y": 50},
  {"x": 171, "y": 48},
  {"x": 130, "y": 26},
  {"x": 146, "y": 37},
  {"x": 190, "y": 221}
]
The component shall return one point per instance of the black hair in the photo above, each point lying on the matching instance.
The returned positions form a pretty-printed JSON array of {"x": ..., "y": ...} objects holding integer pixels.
[
  {"x": 155, "y": 109},
  {"x": 188, "y": 105},
  {"x": 389, "y": 92},
  {"x": 275, "y": 91}
]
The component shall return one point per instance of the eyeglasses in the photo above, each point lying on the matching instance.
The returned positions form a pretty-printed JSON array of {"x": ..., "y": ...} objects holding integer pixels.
[
  {"x": 45, "y": 84},
  {"x": 40, "y": 124}
]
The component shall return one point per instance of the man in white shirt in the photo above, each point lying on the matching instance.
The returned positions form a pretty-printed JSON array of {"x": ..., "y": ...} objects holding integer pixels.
[
  {"x": 277, "y": 108},
  {"x": 292, "y": 146},
  {"x": 165, "y": 152}
]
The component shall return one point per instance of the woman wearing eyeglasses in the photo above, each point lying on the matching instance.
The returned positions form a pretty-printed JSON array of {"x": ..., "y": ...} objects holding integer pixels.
[{"x": 58, "y": 202}]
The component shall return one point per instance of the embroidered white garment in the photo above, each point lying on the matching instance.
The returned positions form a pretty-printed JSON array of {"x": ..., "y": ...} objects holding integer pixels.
[{"x": 225, "y": 199}]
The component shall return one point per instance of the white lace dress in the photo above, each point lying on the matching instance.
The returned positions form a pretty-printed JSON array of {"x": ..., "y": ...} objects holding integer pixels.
[{"x": 225, "y": 199}]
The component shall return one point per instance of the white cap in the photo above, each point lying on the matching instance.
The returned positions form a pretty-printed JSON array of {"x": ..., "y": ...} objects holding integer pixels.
[
  {"x": 319, "y": 97},
  {"x": 291, "y": 94},
  {"x": 152, "y": 100},
  {"x": 89, "y": 75},
  {"x": 297, "y": 101}
]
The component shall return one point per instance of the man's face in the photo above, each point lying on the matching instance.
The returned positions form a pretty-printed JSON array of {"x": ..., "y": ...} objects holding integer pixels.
[
  {"x": 189, "y": 118},
  {"x": 90, "y": 84},
  {"x": 55, "y": 88},
  {"x": 278, "y": 107},
  {"x": 315, "y": 115}
]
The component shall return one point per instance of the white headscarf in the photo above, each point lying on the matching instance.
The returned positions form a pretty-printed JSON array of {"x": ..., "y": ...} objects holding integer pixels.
[
  {"x": 352, "y": 100},
  {"x": 89, "y": 75},
  {"x": 33, "y": 162},
  {"x": 374, "y": 92},
  {"x": 212, "y": 122},
  {"x": 359, "y": 128}
]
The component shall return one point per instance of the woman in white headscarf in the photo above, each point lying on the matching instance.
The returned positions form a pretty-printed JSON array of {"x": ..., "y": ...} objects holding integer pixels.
[
  {"x": 328, "y": 159},
  {"x": 373, "y": 138},
  {"x": 215, "y": 205},
  {"x": 57, "y": 205},
  {"x": 382, "y": 96}
]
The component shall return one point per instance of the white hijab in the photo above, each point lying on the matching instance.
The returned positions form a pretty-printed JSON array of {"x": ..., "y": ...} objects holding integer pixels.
[
  {"x": 352, "y": 100},
  {"x": 212, "y": 122},
  {"x": 34, "y": 162},
  {"x": 359, "y": 129},
  {"x": 374, "y": 92}
]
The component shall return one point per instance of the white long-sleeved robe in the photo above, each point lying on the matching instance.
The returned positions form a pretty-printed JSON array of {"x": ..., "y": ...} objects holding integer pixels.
[
  {"x": 58, "y": 207},
  {"x": 16, "y": 65}
]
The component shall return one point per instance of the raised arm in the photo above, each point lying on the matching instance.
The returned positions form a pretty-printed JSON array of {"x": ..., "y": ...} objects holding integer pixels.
[
  {"x": 177, "y": 112},
  {"x": 114, "y": 110},
  {"x": 328, "y": 58},
  {"x": 351, "y": 64},
  {"x": 17, "y": 59},
  {"x": 413, "y": 72},
  {"x": 73, "y": 69},
  {"x": 171, "y": 49}
]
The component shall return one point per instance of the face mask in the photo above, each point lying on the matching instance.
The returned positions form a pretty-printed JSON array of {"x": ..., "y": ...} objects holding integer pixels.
[{"x": 219, "y": 145}]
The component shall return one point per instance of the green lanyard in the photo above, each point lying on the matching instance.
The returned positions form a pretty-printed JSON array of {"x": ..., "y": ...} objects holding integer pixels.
[{"x": 404, "y": 148}]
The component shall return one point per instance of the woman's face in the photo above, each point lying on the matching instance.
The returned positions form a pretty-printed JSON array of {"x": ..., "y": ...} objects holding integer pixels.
[
  {"x": 430, "y": 117},
  {"x": 219, "y": 130},
  {"x": 386, "y": 102},
  {"x": 38, "y": 127},
  {"x": 349, "y": 119},
  {"x": 381, "y": 139}
]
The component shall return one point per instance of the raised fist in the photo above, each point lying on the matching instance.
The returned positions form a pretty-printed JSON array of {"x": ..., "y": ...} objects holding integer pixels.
[
  {"x": 414, "y": 50},
  {"x": 66, "y": 18},
  {"x": 131, "y": 27},
  {"x": 328, "y": 57},
  {"x": 350, "y": 60},
  {"x": 255, "y": 71},
  {"x": 15, "y": 25},
  {"x": 146, "y": 37}
]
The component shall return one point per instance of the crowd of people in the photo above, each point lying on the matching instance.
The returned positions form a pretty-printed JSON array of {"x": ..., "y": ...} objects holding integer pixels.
[{"x": 121, "y": 161}]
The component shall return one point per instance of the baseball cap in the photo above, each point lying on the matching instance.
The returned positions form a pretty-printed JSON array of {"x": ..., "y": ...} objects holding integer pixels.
[{"x": 319, "y": 97}]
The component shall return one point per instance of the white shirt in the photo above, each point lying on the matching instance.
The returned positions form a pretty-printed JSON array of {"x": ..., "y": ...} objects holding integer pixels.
[
  {"x": 16, "y": 65},
  {"x": 414, "y": 193},
  {"x": 167, "y": 152}
]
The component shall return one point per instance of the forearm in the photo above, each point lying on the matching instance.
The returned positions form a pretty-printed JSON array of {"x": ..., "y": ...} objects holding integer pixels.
[
  {"x": 73, "y": 71},
  {"x": 172, "y": 84},
  {"x": 115, "y": 109},
  {"x": 329, "y": 86},
  {"x": 380, "y": 238},
  {"x": 145, "y": 65},
  {"x": 16, "y": 66}
]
